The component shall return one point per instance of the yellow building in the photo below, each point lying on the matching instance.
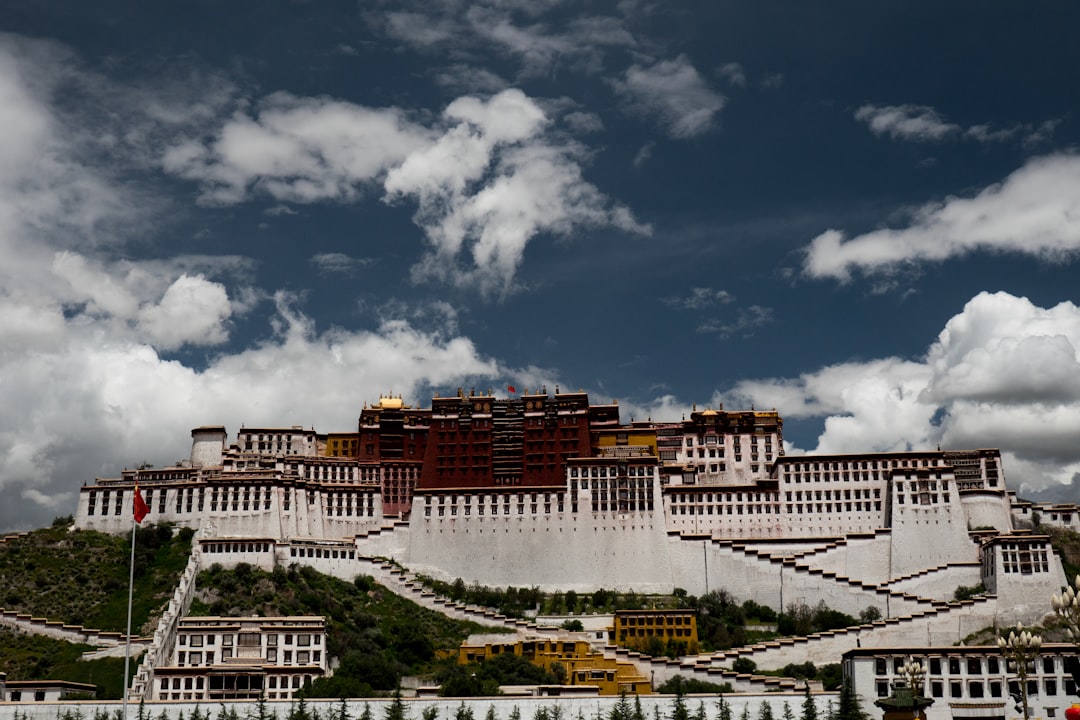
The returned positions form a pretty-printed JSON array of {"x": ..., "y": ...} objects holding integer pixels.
[
  {"x": 636, "y": 439},
  {"x": 583, "y": 666},
  {"x": 342, "y": 445},
  {"x": 637, "y": 629}
]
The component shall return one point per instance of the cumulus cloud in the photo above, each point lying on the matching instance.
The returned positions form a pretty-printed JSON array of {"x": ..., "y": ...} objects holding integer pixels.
[
  {"x": 1034, "y": 211},
  {"x": 491, "y": 183},
  {"x": 1002, "y": 373},
  {"x": 297, "y": 150},
  {"x": 487, "y": 176},
  {"x": 673, "y": 93}
]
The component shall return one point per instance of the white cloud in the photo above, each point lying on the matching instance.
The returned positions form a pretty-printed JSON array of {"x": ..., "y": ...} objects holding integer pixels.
[
  {"x": 700, "y": 298},
  {"x": 335, "y": 262},
  {"x": 1035, "y": 211},
  {"x": 297, "y": 150},
  {"x": 1002, "y": 373},
  {"x": 464, "y": 78},
  {"x": 673, "y": 92},
  {"x": 734, "y": 73},
  {"x": 743, "y": 321},
  {"x": 583, "y": 122},
  {"x": 526, "y": 32},
  {"x": 487, "y": 177},
  {"x": 491, "y": 183},
  {"x": 193, "y": 311},
  {"x": 921, "y": 123},
  {"x": 906, "y": 122}
]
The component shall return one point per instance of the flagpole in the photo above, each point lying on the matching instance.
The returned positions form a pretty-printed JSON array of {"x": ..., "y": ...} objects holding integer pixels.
[{"x": 131, "y": 589}]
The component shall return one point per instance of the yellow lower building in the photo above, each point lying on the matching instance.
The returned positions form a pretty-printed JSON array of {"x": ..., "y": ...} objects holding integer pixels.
[
  {"x": 582, "y": 664},
  {"x": 655, "y": 630}
]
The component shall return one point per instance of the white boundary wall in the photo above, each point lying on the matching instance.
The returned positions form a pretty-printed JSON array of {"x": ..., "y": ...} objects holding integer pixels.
[{"x": 586, "y": 708}]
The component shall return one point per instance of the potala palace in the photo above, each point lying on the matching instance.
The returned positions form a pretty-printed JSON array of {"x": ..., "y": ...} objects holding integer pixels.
[{"x": 550, "y": 490}]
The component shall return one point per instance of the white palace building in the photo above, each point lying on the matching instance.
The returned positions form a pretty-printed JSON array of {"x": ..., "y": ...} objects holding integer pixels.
[{"x": 549, "y": 490}]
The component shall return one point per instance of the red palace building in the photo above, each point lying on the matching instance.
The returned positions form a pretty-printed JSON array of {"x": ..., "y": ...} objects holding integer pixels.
[{"x": 478, "y": 441}]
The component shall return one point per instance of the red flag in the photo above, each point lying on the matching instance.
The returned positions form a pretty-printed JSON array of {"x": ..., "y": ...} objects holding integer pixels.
[
  {"x": 139, "y": 505},
  {"x": 511, "y": 388}
]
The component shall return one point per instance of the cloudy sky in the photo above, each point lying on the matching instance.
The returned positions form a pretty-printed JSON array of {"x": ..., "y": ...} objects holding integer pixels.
[{"x": 866, "y": 215}]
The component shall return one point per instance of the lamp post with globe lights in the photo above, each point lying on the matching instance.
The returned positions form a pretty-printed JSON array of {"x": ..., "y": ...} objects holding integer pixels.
[
  {"x": 1020, "y": 650},
  {"x": 914, "y": 673},
  {"x": 907, "y": 701},
  {"x": 1067, "y": 607}
]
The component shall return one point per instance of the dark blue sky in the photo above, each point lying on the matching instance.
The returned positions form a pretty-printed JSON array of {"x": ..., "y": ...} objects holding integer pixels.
[{"x": 865, "y": 215}]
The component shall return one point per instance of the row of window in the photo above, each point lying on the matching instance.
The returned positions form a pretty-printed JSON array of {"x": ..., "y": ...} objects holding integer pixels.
[
  {"x": 200, "y": 658},
  {"x": 864, "y": 464},
  {"x": 320, "y": 552},
  {"x": 249, "y": 639}
]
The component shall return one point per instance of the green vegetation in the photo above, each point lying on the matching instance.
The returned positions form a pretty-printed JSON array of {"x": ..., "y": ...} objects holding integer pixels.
[
  {"x": 745, "y": 666},
  {"x": 80, "y": 577},
  {"x": 512, "y": 602},
  {"x": 1067, "y": 545},
  {"x": 802, "y": 619},
  {"x": 377, "y": 635},
  {"x": 965, "y": 592},
  {"x": 35, "y": 657},
  {"x": 484, "y": 679},
  {"x": 679, "y": 685}
]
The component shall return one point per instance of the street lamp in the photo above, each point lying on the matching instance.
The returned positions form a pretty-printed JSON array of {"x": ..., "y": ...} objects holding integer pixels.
[
  {"x": 1067, "y": 607},
  {"x": 1020, "y": 649},
  {"x": 906, "y": 701},
  {"x": 913, "y": 673}
]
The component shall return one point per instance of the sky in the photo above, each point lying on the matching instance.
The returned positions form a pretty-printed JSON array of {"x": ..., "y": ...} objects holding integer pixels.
[{"x": 863, "y": 215}]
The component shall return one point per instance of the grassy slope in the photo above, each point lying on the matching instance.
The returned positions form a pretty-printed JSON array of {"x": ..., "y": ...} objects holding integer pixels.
[{"x": 81, "y": 577}]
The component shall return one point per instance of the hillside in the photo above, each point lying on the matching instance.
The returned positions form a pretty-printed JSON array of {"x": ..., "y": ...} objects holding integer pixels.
[{"x": 80, "y": 577}]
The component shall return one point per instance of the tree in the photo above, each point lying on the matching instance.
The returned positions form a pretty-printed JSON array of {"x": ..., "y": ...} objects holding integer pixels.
[
  {"x": 831, "y": 676},
  {"x": 463, "y": 712},
  {"x": 848, "y": 706},
  {"x": 723, "y": 709},
  {"x": 366, "y": 714},
  {"x": 621, "y": 710},
  {"x": 869, "y": 615},
  {"x": 396, "y": 709},
  {"x": 571, "y": 601},
  {"x": 809, "y": 706},
  {"x": 678, "y": 709},
  {"x": 788, "y": 714},
  {"x": 765, "y": 711},
  {"x": 430, "y": 713},
  {"x": 744, "y": 665}
]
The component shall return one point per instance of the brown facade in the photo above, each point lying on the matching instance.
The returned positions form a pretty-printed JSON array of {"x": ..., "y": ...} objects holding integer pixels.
[{"x": 480, "y": 441}]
